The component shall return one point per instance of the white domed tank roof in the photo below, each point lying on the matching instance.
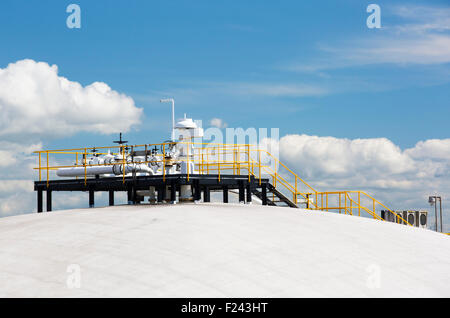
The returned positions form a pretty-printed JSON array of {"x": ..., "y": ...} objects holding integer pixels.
[{"x": 218, "y": 250}]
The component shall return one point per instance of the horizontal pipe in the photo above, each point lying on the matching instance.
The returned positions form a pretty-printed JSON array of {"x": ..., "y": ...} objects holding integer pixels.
[{"x": 92, "y": 171}]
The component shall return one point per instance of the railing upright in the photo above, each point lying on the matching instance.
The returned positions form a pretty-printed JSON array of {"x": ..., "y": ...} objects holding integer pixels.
[
  {"x": 359, "y": 203},
  {"x": 47, "y": 170},
  {"x": 123, "y": 164},
  {"x": 248, "y": 162},
  {"x": 85, "y": 167},
  {"x": 188, "y": 163},
  {"x": 164, "y": 162},
  {"x": 40, "y": 171}
]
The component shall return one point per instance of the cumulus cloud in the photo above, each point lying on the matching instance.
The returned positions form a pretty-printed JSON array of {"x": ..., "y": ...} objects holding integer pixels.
[
  {"x": 218, "y": 123},
  {"x": 34, "y": 99},
  {"x": 35, "y": 102},
  {"x": 343, "y": 157},
  {"x": 433, "y": 149},
  {"x": 401, "y": 178}
]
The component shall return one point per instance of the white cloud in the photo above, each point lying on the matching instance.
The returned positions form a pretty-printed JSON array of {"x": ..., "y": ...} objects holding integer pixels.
[
  {"x": 15, "y": 153},
  {"x": 35, "y": 102},
  {"x": 434, "y": 149},
  {"x": 7, "y": 158},
  {"x": 218, "y": 123},
  {"x": 279, "y": 90},
  {"x": 34, "y": 99},
  {"x": 423, "y": 39},
  {"x": 344, "y": 157},
  {"x": 13, "y": 186},
  {"x": 204, "y": 92},
  {"x": 423, "y": 18},
  {"x": 400, "y": 178},
  {"x": 415, "y": 49}
]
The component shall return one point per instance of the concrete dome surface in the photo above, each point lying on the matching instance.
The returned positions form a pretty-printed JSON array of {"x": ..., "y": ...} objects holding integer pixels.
[{"x": 217, "y": 250}]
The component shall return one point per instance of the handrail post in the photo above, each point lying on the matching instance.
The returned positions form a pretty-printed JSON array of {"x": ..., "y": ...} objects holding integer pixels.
[
  {"x": 188, "y": 165},
  {"x": 146, "y": 157},
  {"x": 248, "y": 161},
  {"x": 85, "y": 167},
  {"x": 359, "y": 203},
  {"x": 207, "y": 161},
  {"x": 259, "y": 164},
  {"x": 317, "y": 201},
  {"x": 201, "y": 169},
  {"x": 275, "y": 177},
  {"x": 47, "y": 169},
  {"x": 123, "y": 164},
  {"x": 374, "y": 212},
  {"x": 296, "y": 191},
  {"x": 40, "y": 172},
  {"x": 218, "y": 161},
  {"x": 239, "y": 160},
  {"x": 351, "y": 205},
  {"x": 234, "y": 160},
  {"x": 164, "y": 162},
  {"x": 345, "y": 197}
]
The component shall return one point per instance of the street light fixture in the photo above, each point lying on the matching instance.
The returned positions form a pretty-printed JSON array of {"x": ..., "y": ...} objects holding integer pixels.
[
  {"x": 171, "y": 100},
  {"x": 433, "y": 201}
]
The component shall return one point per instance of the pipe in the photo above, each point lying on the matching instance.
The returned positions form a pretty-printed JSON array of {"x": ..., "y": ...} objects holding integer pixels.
[
  {"x": 173, "y": 115},
  {"x": 98, "y": 170}
]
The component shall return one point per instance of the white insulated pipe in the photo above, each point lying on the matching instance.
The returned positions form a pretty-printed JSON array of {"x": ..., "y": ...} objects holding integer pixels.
[{"x": 98, "y": 170}]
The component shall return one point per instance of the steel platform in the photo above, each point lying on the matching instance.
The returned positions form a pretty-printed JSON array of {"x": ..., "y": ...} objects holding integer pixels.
[{"x": 201, "y": 183}]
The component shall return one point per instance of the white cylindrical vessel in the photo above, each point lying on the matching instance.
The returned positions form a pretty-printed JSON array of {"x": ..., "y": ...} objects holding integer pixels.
[
  {"x": 186, "y": 193},
  {"x": 80, "y": 171},
  {"x": 99, "y": 170}
]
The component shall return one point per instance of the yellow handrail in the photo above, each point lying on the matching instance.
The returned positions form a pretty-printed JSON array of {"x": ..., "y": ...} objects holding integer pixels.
[{"x": 244, "y": 157}]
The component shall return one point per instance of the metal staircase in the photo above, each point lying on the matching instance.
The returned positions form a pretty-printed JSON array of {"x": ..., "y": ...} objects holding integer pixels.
[
  {"x": 274, "y": 197},
  {"x": 285, "y": 183}
]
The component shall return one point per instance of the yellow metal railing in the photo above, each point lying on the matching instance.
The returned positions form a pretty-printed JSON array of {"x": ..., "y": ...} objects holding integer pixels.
[
  {"x": 220, "y": 159},
  {"x": 347, "y": 202}
]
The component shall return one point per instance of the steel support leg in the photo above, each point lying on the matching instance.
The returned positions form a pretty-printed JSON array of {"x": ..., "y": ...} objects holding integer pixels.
[
  {"x": 264, "y": 193},
  {"x": 136, "y": 199},
  {"x": 39, "y": 201},
  {"x": 173, "y": 193},
  {"x": 161, "y": 193},
  {"x": 249, "y": 193},
  {"x": 130, "y": 195},
  {"x": 49, "y": 200},
  {"x": 206, "y": 195},
  {"x": 91, "y": 199},
  {"x": 111, "y": 197},
  {"x": 197, "y": 191},
  {"x": 225, "y": 194},
  {"x": 241, "y": 192}
]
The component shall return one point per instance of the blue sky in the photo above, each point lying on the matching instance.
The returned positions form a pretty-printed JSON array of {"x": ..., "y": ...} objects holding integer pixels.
[
  {"x": 204, "y": 52},
  {"x": 305, "y": 67}
]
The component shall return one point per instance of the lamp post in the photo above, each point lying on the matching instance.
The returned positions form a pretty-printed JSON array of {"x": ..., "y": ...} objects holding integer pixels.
[
  {"x": 433, "y": 201},
  {"x": 171, "y": 100}
]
